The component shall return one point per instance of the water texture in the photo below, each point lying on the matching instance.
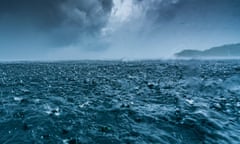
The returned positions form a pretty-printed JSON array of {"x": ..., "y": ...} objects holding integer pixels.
[{"x": 165, "y": 102}]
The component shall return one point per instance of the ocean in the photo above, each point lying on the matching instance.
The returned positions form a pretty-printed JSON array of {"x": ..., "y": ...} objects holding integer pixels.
[{"x": 108, "y": 102}]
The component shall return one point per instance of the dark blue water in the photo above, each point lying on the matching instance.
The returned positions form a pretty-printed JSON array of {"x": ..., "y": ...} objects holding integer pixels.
[{"x": 167, "y": 102}]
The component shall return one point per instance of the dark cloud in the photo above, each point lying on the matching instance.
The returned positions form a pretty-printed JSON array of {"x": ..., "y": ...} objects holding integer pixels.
[
  {"x": 51, "y": 13},
  {"x": 192, "y": 21},
  {"x": 160, "y": 11},
  {"x": 41, "y": 12},
  {"x": 59, "y": 21}
]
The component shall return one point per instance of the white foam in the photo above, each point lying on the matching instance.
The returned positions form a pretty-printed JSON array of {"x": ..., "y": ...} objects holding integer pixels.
[
  {"x": 84, "y": 104},
  {"x": 17, "y": 98}
]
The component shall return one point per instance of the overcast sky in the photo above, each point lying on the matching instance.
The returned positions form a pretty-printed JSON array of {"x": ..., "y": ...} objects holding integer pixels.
[{"x": 114, "y": 29}]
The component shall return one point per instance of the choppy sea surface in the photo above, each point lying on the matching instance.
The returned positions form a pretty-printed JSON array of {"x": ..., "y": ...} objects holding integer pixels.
[{"x": 108, "y": 102}]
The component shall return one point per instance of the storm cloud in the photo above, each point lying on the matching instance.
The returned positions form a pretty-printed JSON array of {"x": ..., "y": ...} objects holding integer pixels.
[
  {"x": 161, "y": 27},
  {"x": 88, "y": 29},
  {"x": 45, "y": 14},
  {"x": 191, "y": 11},
  {"x": 50, "y": 23}
]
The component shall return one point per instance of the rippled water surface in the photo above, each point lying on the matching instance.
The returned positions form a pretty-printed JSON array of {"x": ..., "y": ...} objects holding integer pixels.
[{"x": 165, "y": 102}]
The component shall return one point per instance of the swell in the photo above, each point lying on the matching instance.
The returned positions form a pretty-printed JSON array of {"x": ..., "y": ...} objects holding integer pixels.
[{"x": 120, "y": 102}]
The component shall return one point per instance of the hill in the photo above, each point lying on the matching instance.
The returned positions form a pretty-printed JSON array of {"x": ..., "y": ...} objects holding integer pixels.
[{"x": 228, "y": 51}]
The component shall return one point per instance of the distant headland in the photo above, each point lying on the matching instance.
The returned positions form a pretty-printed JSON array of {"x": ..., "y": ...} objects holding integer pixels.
[{"x": 225, "y": 51}]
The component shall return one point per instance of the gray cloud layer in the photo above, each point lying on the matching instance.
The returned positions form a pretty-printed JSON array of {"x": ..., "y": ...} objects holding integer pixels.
[
  {"x": 55, "y": 13},
  {"x": 198, "y": 12},
  {"x": 53, "y": 22},
  {"x": 37, "y": 26}
]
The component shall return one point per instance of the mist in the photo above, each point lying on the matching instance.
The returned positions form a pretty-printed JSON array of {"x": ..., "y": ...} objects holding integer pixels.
[{"x": 114, "y": 29}]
